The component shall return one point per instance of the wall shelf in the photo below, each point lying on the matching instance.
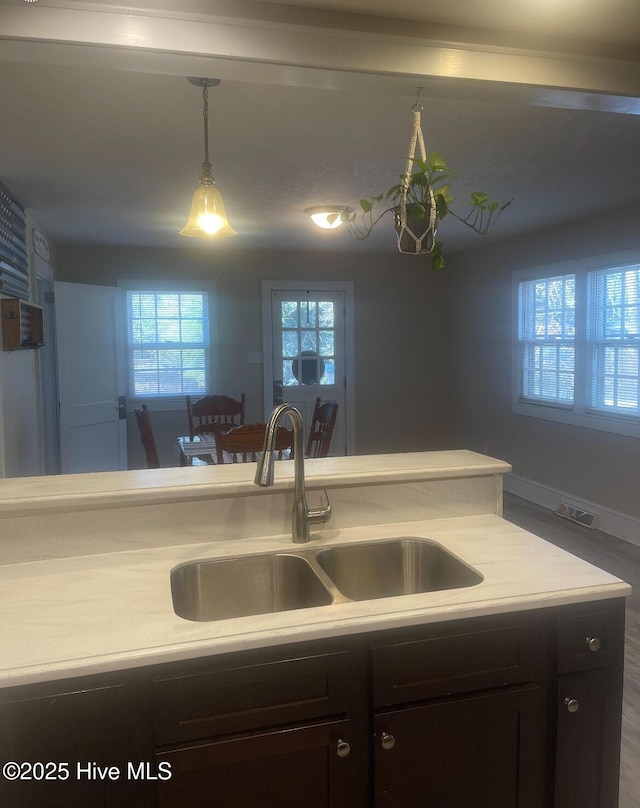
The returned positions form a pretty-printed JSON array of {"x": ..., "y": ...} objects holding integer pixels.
[{"x": 21, "y": 325}]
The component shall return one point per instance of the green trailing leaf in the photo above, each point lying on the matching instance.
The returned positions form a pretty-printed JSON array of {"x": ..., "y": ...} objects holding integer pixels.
[
  {"x": 437, "y": 258},
  {"x": 436, "y": 162},
  {"x": 479, "y": 198},
  {"x": 441, "y": 206}
]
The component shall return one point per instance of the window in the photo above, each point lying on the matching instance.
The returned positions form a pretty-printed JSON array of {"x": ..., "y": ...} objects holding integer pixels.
[
  {"x": 168, "y": 342},
  {"x": 547, "y": 330},
  {"x": 577, "y": 352},
  {"x": 614, "y": 336}
]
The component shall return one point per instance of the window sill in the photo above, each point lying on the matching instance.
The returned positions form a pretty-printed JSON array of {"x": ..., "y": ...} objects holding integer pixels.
[
  {"x": 602, "y": 423},
  {"x": 168, "y": 404}
]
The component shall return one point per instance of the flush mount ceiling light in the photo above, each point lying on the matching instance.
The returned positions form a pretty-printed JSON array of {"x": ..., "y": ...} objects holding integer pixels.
[
  {"x": 208, "y": 218},
  {"x": 326, "y": 216}
]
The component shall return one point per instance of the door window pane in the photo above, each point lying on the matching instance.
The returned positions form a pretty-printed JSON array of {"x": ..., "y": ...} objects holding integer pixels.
[{"x": 308, "y": 342}]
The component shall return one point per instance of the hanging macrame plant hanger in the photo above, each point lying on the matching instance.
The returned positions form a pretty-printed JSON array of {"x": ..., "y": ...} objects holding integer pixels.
[{"x": 416, "y": 227}]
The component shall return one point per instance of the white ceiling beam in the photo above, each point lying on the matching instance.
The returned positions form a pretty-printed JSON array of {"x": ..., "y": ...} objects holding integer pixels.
[{"x": 292, "y": 53}]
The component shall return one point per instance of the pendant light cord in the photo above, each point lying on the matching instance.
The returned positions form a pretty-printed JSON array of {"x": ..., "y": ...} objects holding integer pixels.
[{"x": 205, "y": 112}]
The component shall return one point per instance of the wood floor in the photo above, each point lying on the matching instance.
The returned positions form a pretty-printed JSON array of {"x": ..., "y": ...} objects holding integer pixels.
[{"x": 623, "y": 560}]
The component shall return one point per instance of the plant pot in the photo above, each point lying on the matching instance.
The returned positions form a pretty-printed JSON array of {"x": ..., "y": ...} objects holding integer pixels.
[{"x": 416, "y": 236}]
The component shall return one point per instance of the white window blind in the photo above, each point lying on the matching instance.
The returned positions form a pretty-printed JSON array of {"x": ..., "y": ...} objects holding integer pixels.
[
  {"x": 14, "y": 263},
  {"x": 168, "y": 343},
  {"x": 614, "y": 339},
  {"x": 546, "y": 339}
]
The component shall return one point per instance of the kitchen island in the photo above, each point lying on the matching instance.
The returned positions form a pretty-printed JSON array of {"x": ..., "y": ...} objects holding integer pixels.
[{"x": 353, "y": 695}]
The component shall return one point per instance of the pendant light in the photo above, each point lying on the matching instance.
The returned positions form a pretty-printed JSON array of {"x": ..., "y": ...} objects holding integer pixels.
[{"x": 208, "y": 218}]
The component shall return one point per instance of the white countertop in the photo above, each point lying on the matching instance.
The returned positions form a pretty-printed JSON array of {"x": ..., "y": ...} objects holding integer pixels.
[
  {"x": 97, "y": 613},
  {"x": 29, "y": 495}
]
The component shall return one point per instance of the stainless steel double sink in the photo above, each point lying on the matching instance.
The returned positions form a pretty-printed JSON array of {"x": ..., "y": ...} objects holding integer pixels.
[{"x": 222, "y": 588}]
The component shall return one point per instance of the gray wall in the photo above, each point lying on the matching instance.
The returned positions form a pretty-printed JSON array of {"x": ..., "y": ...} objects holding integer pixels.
[
  {"x": 400, "y": 320},
  {"x": 600, "y": 467}
]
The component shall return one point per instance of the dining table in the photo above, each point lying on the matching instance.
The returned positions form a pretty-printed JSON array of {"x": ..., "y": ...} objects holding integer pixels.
[{"x": 199, "y": 450}]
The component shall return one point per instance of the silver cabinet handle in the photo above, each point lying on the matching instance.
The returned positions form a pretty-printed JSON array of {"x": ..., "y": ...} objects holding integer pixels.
[
  {"x": 573, "y": 705},
  {"x": 388, "y": 741},
  {"x": 343, "y": 748},
  {"x": 593, "y": 643}
]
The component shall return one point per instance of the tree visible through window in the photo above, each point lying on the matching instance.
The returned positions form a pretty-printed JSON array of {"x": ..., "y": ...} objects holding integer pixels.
[
  {"x": 547, "y": 330},
  {"x": 168, "y": 343}
]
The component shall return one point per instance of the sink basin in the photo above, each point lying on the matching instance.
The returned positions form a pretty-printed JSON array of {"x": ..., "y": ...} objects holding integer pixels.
[
  {"x": 237, "y": 587},
  {"x": 217, "y": 589},
  {"x": 403, "y": 566}
]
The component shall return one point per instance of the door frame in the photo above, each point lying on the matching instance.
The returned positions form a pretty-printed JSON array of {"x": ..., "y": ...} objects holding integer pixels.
[{"x": 347, "y": 288}]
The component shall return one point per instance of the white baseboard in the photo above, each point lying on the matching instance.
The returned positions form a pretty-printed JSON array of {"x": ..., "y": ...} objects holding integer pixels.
[{"x": 616, "y": 524}]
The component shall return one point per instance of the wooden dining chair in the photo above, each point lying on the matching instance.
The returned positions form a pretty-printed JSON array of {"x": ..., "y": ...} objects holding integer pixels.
[
  {"x": 214, "y": 414},
  {"x": 244, "y": 443},
  {"x": 143, "y": 419},
  {"x": 322, "y": 424}
]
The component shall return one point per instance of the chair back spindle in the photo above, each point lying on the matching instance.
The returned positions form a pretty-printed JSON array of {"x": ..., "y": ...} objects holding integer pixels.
[
  {"x": 143, "y": 419},
  {"x": 214, "y": 414},
  {"x": 322, "y": 424}
]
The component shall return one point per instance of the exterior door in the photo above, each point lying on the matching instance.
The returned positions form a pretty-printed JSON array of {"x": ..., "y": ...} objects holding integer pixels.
[
  {"x": 91, "y": 378},
  {"x": 307, "y": 347}
]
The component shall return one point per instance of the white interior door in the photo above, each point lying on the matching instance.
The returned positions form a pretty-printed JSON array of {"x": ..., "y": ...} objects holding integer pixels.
[
  {"x": 308, "y": 342},
  {"x": 91, "y": 378}
]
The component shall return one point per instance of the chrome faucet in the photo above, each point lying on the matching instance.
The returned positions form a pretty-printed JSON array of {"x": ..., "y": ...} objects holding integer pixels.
[{"x": 302, "y": 516}]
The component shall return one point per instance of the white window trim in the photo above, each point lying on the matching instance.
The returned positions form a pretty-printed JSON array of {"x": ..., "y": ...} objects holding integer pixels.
[
  {"x": 577, "y": 414},
  {"x": 174, "y": 403}
]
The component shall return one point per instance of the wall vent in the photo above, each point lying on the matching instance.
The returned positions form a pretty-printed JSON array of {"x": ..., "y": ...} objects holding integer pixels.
[{"x": 576, "y": 515}]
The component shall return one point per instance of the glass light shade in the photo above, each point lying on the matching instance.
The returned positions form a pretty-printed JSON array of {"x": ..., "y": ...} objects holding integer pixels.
[
  {"x": 326, "y": 218},
  {"x": 208, "y": 218}
]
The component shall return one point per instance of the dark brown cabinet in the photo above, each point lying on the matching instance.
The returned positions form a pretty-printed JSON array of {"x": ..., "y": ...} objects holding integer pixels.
[
  {"x": 271, "y": 728},
  {"x": 471, "y": 726},
  {"x": 294, "y": 766},
  {"x": 64, "y": 739},
  {"x": 588, "y": 707},
  {"x": 507, "y": 711},
  {"x": 485, "y": 751}
]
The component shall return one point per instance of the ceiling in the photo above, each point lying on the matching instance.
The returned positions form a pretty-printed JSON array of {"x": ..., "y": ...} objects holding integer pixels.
[{"x": 108, "y": 150}]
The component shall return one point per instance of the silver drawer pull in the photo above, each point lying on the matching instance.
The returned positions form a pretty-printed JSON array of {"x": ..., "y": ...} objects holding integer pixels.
[
  {"x": 573, "y": 705},
  {"x": 593, "y": 643},
  {"x": 343, "y": 748},
  {"x": 388, "y": 741}
]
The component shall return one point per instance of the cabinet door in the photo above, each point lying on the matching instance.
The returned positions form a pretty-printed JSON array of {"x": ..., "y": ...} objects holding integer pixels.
[
  {"x": 588, "y": 740},
  {"x": 285, "y": 768},
  {"x": 56, "y": 732},
  {"x": 485, "y": 751}
]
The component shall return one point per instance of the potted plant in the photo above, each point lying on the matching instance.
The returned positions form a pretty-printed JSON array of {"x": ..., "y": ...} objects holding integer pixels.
[{"x": 418, "y": 203}]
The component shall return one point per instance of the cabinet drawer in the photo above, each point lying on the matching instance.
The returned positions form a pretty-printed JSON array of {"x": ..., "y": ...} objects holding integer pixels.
[
  {"x": 457, "y": 663},
  {"x": 238, "y": 697},
  {"x": 588, "y": 641}
]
